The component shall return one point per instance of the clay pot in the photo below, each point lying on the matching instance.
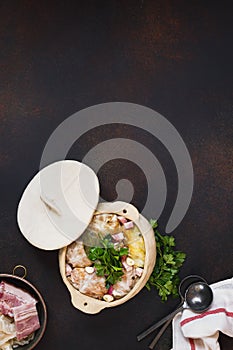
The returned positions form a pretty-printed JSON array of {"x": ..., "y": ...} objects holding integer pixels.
[{"x": 91, "y": 305}]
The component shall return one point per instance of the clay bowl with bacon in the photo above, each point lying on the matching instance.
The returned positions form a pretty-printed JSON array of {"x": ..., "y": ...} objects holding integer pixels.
[{"x": 22, "y": 311}]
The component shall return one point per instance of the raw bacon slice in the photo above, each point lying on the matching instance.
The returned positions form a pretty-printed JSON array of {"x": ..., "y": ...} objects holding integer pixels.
[
  {"x": 5, "y": 309},
  {"x": 118, "y": 236},
  {"x": 26, "y": 320},
  {"x": 11, "y": 297},
  {"x": 20, "y": 305},
  {"x": 12, "y": 290}
]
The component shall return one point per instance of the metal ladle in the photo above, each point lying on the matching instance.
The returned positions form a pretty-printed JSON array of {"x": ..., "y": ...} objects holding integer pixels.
[{"x": 198, "y": 297}]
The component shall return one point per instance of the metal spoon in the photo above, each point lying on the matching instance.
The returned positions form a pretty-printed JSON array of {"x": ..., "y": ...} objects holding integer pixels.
[
  {"x": 198, "y": 297},
  {"x": 189, "y": 279},
  {"x": 160, "y": 333},
  {"x": 199, "y": 300}
]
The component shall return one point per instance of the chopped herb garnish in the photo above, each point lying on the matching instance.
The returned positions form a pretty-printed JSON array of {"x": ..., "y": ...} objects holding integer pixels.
[
  {"x": 168, "y": 262},
  {"x": 107, "y": 261}
]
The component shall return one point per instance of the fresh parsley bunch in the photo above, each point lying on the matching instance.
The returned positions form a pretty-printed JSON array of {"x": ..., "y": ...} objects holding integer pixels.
[
  {"x": 168, "y": 262},
  {"x": 107, "y": 261}
]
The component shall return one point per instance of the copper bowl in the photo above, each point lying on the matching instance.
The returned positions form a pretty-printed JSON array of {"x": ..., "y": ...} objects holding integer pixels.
[{"x": 22, "y": 283}]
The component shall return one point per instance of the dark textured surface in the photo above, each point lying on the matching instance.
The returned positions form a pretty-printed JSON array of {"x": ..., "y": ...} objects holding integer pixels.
[{"x": 172, "y": 56}]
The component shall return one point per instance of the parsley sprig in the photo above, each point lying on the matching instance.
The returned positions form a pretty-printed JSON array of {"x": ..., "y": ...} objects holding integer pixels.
[
  {"x": 107, "y": 261},
  {"x": 168, "y": 262}
]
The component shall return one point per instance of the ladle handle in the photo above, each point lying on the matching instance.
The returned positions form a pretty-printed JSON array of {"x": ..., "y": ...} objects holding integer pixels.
[
  {"x": 158, "y": 324},
  {"x": 160, "y": 333}
]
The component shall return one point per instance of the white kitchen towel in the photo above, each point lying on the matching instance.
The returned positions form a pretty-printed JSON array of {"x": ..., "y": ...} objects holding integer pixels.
[{"x": 192, "y": 331}]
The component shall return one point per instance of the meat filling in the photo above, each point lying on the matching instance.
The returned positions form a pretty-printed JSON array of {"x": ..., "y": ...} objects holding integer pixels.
[
  {"x": 76, "y": 255},
  {"x": 127, "y": 282},
  {"x": 109, "y": 260},
  {"x": 88, "y": 284}
]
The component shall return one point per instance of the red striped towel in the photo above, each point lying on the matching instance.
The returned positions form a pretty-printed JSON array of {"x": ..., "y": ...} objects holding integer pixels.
[{"x": 201, "y": 331}]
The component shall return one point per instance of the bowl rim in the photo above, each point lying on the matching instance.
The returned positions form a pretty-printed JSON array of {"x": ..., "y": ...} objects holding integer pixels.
[{"x": 43, "y": 326}]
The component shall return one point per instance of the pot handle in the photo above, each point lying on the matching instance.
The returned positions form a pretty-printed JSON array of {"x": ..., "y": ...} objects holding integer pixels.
[
  {"x": 120, "y": 208},
  {"x": 22, "y": 271}
]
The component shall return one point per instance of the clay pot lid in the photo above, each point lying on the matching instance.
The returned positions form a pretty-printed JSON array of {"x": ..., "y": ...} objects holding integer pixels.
[{"x": 58, "y": 204}]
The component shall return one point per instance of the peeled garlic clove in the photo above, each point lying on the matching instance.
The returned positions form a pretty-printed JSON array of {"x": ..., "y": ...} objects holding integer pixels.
[
  {"x": 89, "y": 269},
  {"x": 108, "y": 298},
  {"x": 130, "y": 262}
]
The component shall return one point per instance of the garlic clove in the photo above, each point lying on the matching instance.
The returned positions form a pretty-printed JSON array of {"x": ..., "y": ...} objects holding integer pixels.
[
  {"x": 130, "y": 261},
  {"x": 89, "y": 269},
  {"x": 108, "y": 298}
]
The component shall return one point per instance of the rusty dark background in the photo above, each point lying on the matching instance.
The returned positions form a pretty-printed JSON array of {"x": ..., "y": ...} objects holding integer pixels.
[{"x": 175, "y": 57}]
